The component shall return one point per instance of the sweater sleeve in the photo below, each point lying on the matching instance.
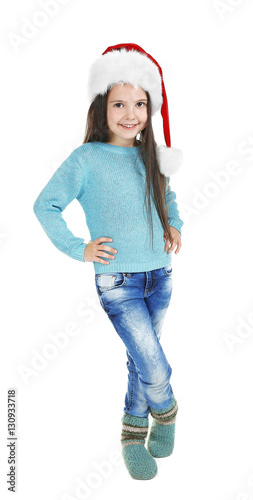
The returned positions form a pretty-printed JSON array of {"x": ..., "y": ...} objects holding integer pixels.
[
  {"x": 63, "y": 187},
  {"x": 174, "y": 218}
]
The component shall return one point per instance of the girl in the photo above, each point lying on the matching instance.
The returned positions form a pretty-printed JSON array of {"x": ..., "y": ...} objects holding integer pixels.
[{"x": 121, "y": 179}]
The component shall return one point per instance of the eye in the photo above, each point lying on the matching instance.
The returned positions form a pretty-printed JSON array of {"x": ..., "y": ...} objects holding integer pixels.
[
  {"x": 118, "y": 104},
  {"x": 142, "y": 103}
]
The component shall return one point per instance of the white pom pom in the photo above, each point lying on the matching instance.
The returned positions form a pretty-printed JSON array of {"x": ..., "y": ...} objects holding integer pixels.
[{"x": 170, "y": 160}]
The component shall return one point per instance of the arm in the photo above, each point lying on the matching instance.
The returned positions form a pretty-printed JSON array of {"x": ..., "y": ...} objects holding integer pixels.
[
  {"x": 174, "y": 218},
  {"x": 63, "y": 187}
]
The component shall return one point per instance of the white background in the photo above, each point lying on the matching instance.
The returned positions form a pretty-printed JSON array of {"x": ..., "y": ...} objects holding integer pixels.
[{"x": 69, "y": 411}]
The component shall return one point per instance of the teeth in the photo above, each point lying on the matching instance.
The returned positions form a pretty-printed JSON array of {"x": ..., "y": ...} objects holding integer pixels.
[{"x": 128, "y": 126}]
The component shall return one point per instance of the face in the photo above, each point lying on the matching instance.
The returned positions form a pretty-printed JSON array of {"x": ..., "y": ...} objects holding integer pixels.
[{"x": 126, "y": 114}]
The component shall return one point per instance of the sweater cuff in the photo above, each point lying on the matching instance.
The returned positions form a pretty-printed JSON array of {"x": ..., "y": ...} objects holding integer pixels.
[
  {"x": 176, "y": 223},
  {"x": 78, "y": 253}
]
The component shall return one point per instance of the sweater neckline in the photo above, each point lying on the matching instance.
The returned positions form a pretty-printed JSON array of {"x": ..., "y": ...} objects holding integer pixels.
[{"x": 118, "y": 149}]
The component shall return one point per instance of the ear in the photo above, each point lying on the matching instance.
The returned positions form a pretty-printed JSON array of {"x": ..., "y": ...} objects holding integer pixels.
[{"x": 170, "y": 160}]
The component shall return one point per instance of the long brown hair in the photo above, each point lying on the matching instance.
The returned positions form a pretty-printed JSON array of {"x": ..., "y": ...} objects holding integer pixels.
[{"x": 97, "y": 130}]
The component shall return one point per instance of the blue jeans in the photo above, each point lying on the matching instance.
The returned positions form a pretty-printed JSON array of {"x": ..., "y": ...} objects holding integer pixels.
[{"x": 136, "y": 304}]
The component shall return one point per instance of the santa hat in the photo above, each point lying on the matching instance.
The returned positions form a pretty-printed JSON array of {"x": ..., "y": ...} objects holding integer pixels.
[{"x": 129, "y": 63}]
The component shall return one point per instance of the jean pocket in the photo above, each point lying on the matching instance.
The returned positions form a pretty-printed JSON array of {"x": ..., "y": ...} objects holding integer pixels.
[
  {"x": 109, "y": 281},
  {"x": 167, "y": 270}
]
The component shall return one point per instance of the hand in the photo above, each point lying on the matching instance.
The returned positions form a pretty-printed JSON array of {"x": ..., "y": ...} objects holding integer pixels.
[
  {"x": 94, "y": 251},
  {"x": 176, "y": 240}
]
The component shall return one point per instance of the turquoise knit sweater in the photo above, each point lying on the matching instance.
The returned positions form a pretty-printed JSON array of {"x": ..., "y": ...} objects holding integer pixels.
[{"x": 109, "y": 183}]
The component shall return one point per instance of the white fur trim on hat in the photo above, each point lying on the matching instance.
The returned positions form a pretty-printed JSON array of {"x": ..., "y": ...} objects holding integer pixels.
[
  {"x": 170, "y": 160},
  {"x": 123, "y": 66}
]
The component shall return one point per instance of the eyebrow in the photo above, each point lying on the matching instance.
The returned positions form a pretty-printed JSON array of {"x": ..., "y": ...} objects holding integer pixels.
[{"x": 138, "y": 100}]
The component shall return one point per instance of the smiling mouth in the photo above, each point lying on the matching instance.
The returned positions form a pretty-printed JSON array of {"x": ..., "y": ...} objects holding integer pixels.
[{"x": 129, "y": 127}]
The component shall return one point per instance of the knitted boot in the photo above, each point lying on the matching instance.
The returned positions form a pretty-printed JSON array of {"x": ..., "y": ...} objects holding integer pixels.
[
  {"x": 162, "y": 433},
  {"x": 139, "y": 462}
]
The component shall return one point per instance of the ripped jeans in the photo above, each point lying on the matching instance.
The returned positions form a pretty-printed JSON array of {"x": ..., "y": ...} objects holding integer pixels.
[{"x": 136, "y": 304}]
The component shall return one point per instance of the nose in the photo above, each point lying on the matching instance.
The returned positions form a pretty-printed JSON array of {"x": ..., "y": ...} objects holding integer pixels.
[{"x": 130, "y": 114}]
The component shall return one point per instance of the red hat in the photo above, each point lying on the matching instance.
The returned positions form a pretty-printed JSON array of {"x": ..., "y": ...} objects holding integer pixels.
[{"x": 129, "y": 63}]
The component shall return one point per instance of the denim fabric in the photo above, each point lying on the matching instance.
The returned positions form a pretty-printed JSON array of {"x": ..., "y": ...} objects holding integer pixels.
[{"x": 136, "y": 304}]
